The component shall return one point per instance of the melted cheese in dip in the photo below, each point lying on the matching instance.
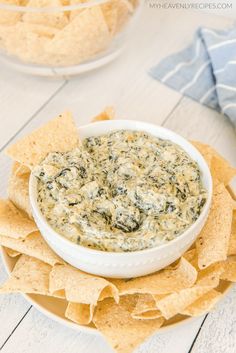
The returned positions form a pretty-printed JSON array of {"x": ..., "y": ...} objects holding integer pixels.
[{"x": 122, "y": 191}]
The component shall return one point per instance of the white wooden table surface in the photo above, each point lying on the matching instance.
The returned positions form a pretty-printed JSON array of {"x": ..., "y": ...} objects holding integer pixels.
[{"x": 27, "y": 102}]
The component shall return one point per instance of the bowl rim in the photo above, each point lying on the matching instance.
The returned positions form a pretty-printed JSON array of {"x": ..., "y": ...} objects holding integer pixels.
[
  {"x": 51, "y": 9},
  {"x": 202, "y": 217}
]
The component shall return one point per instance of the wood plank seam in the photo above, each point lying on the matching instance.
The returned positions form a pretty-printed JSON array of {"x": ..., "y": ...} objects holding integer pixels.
[
  {"x": 12, "y": 332},
  {"x": 172, "y": 111},
  {"x": 195, "y": 338}
]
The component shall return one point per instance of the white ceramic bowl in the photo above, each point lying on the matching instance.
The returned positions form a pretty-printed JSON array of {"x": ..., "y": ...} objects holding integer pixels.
[{"x": 132, "y": 264}]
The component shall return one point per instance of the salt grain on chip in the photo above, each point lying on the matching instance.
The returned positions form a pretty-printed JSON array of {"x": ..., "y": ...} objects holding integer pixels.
[
  {"x": 58, "y": 135},
  {"x": 13, "y": 222}
]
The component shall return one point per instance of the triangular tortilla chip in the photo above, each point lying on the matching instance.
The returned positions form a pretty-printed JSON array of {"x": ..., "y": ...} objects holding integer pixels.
[
  {"x": 33, "y": 245},
  {"x": 58, "y": 135},
  {"x": 80, "y": 287},
  {"x": 175, "y": 303},
  {"x": 119, "y": 328},
  {"x": 84, "y": 36},
  {"x": 212, "y": 243},
  {"x": 107, "y": 114},
  {"x": 13, "y": 222},
  {"x": 203, "y": 305},
  {"x": 162, "y": 282},
  {"x": 29, "y": 275}
]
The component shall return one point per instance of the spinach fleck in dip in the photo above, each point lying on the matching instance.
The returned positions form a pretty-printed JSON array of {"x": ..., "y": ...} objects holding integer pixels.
[{"x": 123, "y": 191}]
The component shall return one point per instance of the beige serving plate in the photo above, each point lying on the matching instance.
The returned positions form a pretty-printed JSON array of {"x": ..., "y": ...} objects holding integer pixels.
[{"x": 54, "y": 308}]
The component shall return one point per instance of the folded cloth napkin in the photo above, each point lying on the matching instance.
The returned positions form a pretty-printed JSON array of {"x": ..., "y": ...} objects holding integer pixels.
[{"x": 204, "y": 71}]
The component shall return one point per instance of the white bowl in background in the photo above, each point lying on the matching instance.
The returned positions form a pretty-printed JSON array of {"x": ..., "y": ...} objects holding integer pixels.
[{"x": 126, "y": 264}]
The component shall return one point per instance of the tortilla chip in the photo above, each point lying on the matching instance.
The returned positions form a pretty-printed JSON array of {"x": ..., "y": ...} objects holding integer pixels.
[
  {"x": 84, "y": 36},
  {"x": 204, "y": 304},
  {"x": 229, "y": 273},
  {"x": 11, "y": 253},
  {"x": 162, "y": 282},
  {"x": 73, "y": 13},
  {"x": 211, "y": 275},
  {"x": 124, "y": 10},
  {"x": 40, "y": 29},
  {"x": 232, "y": 239},
  {"x": 212, "y": 243},
  {"x": 220, "y": 167},
  {"x": 110, "y": 13},
  {"x": 26, "y": 42},
  {"x": 13, "y": 222},
  {"x": 53, "y": 19},
  {"x": 145, "y": 308},
  {"x": 18, "y": 188},
  {"x": 33, "y": 245},
  {"x": 79, "y": 286},
  {"x": 29, "y": 275},
  {"x": 82, "y": 314},
  {"x": 191, "y": 256},
  {"x": 58, "y": 135},
  {"x": 107, "y": 114},
  {"x": 9, "y": 17},
  {"x": 19, "y": 169},
  {"x": 123, "y": 332},
  {"x": 175, "y": 303},
  {"x": 205, "y": 151}
]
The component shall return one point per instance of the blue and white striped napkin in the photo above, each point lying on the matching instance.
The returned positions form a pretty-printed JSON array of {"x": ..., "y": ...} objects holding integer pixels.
[{"x": 204, "y": 71}]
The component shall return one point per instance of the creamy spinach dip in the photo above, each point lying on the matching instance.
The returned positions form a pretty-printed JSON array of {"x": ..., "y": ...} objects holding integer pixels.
[{"x": 122, "y": 191}]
